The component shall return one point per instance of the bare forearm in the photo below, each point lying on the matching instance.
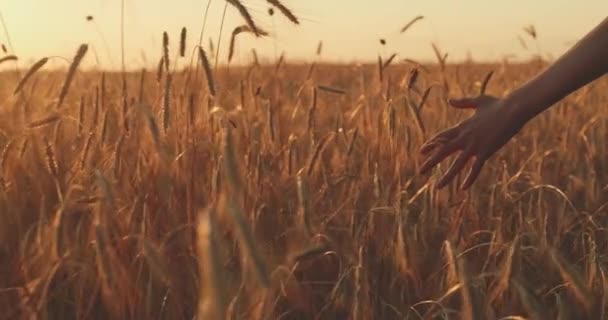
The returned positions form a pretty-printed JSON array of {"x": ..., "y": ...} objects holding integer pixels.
[{"x": 583, "y": 63}]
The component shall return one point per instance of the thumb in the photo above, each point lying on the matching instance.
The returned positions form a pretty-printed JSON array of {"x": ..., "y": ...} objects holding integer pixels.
[{"x": 464, "y": 103}]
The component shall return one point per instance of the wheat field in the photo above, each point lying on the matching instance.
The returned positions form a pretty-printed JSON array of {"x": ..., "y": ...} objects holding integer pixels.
[{"x": 291, "y": 191}]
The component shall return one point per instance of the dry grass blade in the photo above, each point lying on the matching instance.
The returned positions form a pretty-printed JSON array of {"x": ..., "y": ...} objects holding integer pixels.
[
  {"x": 160, "y": 69},
  {"x": 44, "y": 121},
  {"x": 32, "y": 70},
  {"x": 331, "y": 90},
  {"x": 440, "y": 57},
  {"x": 425, "y": 96},
  {"x": 81, "y": 116},
  {"x": 208, "y": 72},
  {"x": 85, "y": 152},
  {"x": 284, "y": 10},
  {"x": 152, "y": 127},
  {"x": 245, "y": 14},
  {"x": 280, "y": 62},
  {"x": 504, "y": 280},
  {"x": 416, "y": 114},
  {"x": 450, "y": 257},
  {"x": 575, "y": 281},
  {"x": 104, "y": 127},
  {"x": 254, "y": 54},
  {"x": 389, "y": 61},
  {"x": 380, "y": 69},
  {"x": 409, "y": 24},
  {"x": 319, "y": 48},
  {"x": 82, "y": 50},
  {"x": 318, "y": 152},
  {"x": 351, "y": 145},
  {"x": 484, "y": 84},
  {"x": 167, "y": 102},
  {"x": 8, "y": 58},
  {"x": 310, "y": 253}
]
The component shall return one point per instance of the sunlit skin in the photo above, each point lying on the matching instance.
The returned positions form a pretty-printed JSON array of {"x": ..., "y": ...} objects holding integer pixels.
[{"x": 496, "y": 120}]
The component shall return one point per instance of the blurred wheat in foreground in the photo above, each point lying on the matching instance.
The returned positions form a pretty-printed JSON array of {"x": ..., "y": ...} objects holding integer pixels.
[{"x": 290, "y": 192}]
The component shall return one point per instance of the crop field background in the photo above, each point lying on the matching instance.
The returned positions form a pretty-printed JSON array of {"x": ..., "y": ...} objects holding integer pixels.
[{"x": 291, "y": 191}]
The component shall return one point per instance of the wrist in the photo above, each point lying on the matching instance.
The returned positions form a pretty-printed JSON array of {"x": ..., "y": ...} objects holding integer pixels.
[{"x": 520, "y": 109}]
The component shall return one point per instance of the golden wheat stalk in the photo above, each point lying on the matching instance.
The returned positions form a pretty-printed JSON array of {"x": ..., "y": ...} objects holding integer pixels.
[
  {"x": 151, "y": 122},
  {"x": 142, "y": 82},
  {"x": 238, "y": 30},
  {"x": 411, "y": 23},
  {"x": 245, "y": 14},
  {"x": 35, "y": 67},
  {"x": 51, "y": 161},
  {"x": 8, "y": 58},
  {"x": 81, "y": 116},
  {"x": 166, "y": 50},
  {"x": 182, "y": 42},
  {"x": 208, "y": 72},
  {"x": 82, "y": 50},
  {"x": 284, "y": 10},
  {"x": 5, "y": 153}
]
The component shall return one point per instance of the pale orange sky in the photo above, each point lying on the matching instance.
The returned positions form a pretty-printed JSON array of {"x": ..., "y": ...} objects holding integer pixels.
[{"x": 350, "y": 29}]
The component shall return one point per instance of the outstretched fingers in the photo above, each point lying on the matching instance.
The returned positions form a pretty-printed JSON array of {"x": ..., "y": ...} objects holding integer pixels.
[
  {"x": 439, "y": 139},
  {"x": 455, "y": 168},
  {"x": 441, "y": 153}
]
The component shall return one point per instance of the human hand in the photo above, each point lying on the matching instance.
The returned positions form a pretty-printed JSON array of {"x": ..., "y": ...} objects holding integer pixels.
[{"x": 492, "y": 126}]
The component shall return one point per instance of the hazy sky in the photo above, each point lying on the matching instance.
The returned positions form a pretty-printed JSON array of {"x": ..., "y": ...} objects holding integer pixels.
[{"x": 350, "y": 29}]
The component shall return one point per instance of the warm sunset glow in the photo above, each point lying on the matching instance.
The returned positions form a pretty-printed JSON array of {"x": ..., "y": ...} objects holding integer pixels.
[{"x": 350, "y": 29}]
